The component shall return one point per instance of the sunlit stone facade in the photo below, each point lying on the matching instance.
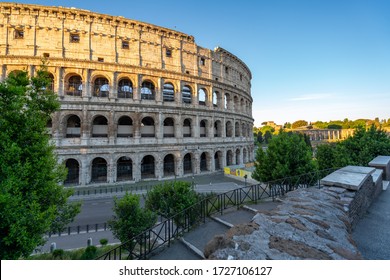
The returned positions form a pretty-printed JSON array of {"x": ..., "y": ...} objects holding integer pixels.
[{"x": 138, "y": 101}]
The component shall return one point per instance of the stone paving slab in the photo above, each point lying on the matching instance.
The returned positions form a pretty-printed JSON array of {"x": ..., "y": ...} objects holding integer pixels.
[
  {"x": 380, "y": 161},
  {"x": 358, "y": 169},
  {"x": 345, "y": 179}
]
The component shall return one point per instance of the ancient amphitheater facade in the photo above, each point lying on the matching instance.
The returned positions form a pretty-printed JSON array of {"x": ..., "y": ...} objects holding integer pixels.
[{"x": 138, "y": 101}]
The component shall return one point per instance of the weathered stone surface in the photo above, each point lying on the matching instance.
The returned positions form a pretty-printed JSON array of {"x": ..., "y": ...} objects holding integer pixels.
[
  {"x": 345, "y": 179},
  {"x": 286, "y": 234}
]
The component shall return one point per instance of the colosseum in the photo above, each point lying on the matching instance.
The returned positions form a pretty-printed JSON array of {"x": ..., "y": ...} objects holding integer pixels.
[{"x": 138, "y": 101}]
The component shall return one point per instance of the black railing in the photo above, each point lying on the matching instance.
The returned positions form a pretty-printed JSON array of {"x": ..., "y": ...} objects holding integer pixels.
[
  {"x": 81, "y": 229},
  {"x": 147, "y": 242}
]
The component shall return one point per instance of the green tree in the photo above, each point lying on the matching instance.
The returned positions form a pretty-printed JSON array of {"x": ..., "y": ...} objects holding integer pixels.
[
  {"x": 287, "y": 155},
  {"x": 130, "y": 218},
  {"x": 171, "y": 198},
  {"x": 358, "y": 149},
  {"x": 32, "y": 198},
  {"x": 298, "y": 124}
]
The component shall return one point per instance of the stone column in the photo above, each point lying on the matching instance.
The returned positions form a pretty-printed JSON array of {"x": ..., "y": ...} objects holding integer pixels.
[
  {"x": 159, "y": 90},
  {"x": 112, "y": 128},
  {"x": 137, "y": 88},
  {"x": 159, "y": 126},
  {"x": 85, "y": 128},
  {"x": 111, "y": 170},
  {"x": 137, "y": 167},
  {"x": 85, "y": 177},
  {"x": 159, "y": 167},
  {"x": 3, "y": 72}
]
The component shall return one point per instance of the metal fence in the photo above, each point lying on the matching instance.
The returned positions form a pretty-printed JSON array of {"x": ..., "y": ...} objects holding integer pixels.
[
  {"x": 163, "y": 233},
  {"x": 111, "y": 190},
  {"x": 81, "y": 229}
]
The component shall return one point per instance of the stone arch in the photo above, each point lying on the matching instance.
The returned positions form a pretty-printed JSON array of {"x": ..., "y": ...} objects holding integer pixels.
[
  {"x": 188, "y": 163},
  {"x": 238, "y": 156},
  {"x": 99, "y": 169},
  {"x": 73, "y": 175},
  {"x": 187, "y": 127},
  {"x": 236, "y": 104},
  {"x": 204, "y": 162},
  {"x": 168, "y": 92},
  {"x": 169, "y": 127},
  {"x": 148, "y": 167},
  {"x": 216, "y": 98},
  {"x": 125, "y": 127},
  {"x": 229, "y": 129},
  {"x": 148, "y": 127},
  {"x": 169, "y": 165},
  {"x": 203, "y": 128},
  {"x": 217, "y": 128},
  {"x": 125, "y": 88},
  {"x": 124, "y": 169},
  {"x": 237, "y": 129},
  {"x": 227, "y": 101},
  {"x": 73, "y": 84},
  {"x": 244, "y": 155},
  {"x": 218, "y": 157},
  {"x": 229, "y": 157},
  {"x": 148, "y": 90},
  {"x": 99, "y": 126},
  {"x": 186, "y": 94},
  {"x": 73, "y": 126},
  {"x": 202, "y": 97},
  {"x": 100, "y": 86}
]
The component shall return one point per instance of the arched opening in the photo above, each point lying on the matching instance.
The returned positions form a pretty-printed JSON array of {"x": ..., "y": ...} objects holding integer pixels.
[
  {"x": 245, "y": 155},
  {"x": 218, "y": 160},
  {"x": 168, "y": 92},
  {"x": 243, "y": 130},
  {"x": 237, "y": 129},
  {"x": 125, "y": 88},
  {"x": 238, "y": 156},
  {"x": 229, "y": 129},
  {"x": 169, "y": 128},
  {"x": 217, "y": 129},
  {"x": 186, "y": 95},
  {"x": 169, "y": 165},
  {"x": 100, "y": 127},
  {"x": 215, "y": 99},
  {"x": 229, "y": 158},
  {"x": 147, "y": 167},
  {"x": 72, "y": 178},
  {"x": 73, "y": 127},
  {"x": 148, "y": 90},
  {"x": 50, "y": 85},
  {"x": 236, "y": 104},
  {"x": 101, "y": 87},
  {"x": 187, "y": 128},
  {"x": 203, "y": 162},
  {"x": 125, "y": 127},
  {"x": 147, "y": 127},
  {"x": 74, "y": 86},
  {"x": 202, "y": 95},
  {"x": 242, "y": 106},
  {"x": 203, "y": 130},
  {"x": 124, "y": 169},
  {"x": 187, "y": 164},
  {"x": 227, "y": 101},
  {"x": 99, "y": 170}
]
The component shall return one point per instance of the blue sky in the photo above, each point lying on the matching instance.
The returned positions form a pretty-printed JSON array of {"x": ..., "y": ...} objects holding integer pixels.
[{"x": 310, "y": 59}]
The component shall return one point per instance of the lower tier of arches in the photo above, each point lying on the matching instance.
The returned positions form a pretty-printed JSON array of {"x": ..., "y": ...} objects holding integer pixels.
[{"x": 100, "y": 168}]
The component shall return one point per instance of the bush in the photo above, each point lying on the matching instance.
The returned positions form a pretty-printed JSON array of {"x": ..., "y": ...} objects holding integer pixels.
[
  {"x": 103, "y": 241},
  {"x": 89, "y": 253},
  {"x": 58, "y": 254}
]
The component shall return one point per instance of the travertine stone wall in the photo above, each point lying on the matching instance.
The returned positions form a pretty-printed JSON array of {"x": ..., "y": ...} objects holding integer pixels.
[{"x": 138, "y": 101}]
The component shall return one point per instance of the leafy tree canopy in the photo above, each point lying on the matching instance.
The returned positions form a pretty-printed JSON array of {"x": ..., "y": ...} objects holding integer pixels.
[
  {"x": 32, "y": 200},
  {"x": 299, "y": 123},
  {"x": 287, "y": 155}
]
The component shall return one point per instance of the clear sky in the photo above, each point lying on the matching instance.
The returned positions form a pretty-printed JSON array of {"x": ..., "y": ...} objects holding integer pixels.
[{"x": 310, "y": 59}]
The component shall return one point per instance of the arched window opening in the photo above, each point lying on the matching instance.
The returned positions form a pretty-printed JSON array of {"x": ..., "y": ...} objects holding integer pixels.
[
  {"x": 73, "y": 126},
  {"x": 74, "y": 86},
  {"x": 215, "y": 99},
  {"x": 202, "y": 95},
  {"x": 218, "y": 160},
  {"x": 169, "y": 128},
  {"x": 187, "y": 128},
  {"x": 203, "y": 131},
  {"x": 187, "y": 164},
  {"x": 236, "y": 104},
  {"x": 147, "y": 127},
  {"x": 168, "y": 92},
  {"x": 125, "y": 88},
  {"x": 229, "y": 158},
  {"x": 226, "y": 101},
  {"x": 125, "y": 127},
  {"x": 245, "y": 155},
  {"x": 186, "y": 95},
  {"x": 100, "y": 127},
  {"x": 72, "y": 178},
  {"x": 229, "y": 129},
  {"x": 124, "y": 169},
  {"x": 203, "y": 162},
  {"x": 101, "y": 87},
  {"x": 243, "y": 130},
  {"x": 99, "y": 170},
  {"x": 147, "y": 167},
  {"x": 237, "y": 129},
  {"x": 148, "y": 91},
  {"x": 217, "y": 129},
  {"x": 238, "y": 156},
  {"x": 169, "y": 165}
]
